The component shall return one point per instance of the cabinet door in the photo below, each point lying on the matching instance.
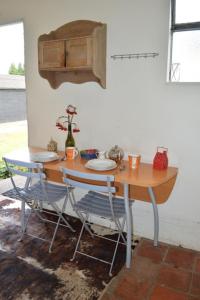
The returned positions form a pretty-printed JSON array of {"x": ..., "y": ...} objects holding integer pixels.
[
  {"x": 51, "y": 54},
  {"x": 79, "y": 53}
]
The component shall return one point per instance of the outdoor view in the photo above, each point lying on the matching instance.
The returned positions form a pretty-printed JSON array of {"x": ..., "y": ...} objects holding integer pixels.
[
  {"x": 13, "y": 124},
  {"x": 186, "y": 43}
]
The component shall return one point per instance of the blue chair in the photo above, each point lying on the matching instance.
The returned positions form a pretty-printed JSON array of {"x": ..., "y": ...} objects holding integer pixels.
[
  {"x": 37, "y": 192},
  {"x": 99, "y": 201}
]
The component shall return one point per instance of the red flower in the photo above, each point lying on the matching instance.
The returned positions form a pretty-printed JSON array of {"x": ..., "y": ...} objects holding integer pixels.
[
  {"x": 76, "y": 130},
  {"x": 71, "y": 110},
  {"x": 62, "y": 121},
  {"x": 61, "y": 126}
]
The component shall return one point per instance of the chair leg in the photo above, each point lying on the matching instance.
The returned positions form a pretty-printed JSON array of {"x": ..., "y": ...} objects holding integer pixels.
[
  {"x": 55, "y": 207},
  {"x": 35, "y": 211},
  {"x": 58, "y": 222},
  {"x": 60, "y": 214},
  {"x": 81, "y": 217},
  {"x": 120, "y": 228},
  {"x": 78, "y": 242},
  {"x": 24, "y": 227},
  {"x": 114, "y": 254},
  {"x": 54, "y": 234}
]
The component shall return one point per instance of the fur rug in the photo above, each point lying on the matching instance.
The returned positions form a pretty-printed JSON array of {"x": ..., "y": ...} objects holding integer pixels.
[{"x": 29, "y": 271}]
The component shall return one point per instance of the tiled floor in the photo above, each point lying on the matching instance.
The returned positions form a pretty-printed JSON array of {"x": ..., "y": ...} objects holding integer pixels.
[{"x": 158, "y": 273}]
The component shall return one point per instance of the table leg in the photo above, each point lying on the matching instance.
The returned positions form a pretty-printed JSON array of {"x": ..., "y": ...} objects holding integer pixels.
[
  {"x": 156, "y": 217},
  {"x": 129, "y": 227}
]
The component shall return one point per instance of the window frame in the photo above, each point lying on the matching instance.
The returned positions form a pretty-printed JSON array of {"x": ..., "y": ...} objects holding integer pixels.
[{"x": 178, "y": 27}]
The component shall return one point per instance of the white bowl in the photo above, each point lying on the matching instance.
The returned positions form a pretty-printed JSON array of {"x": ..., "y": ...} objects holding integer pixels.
[
  {"x": 44, "y": 156},
  {"x": 101, "y": 164}
]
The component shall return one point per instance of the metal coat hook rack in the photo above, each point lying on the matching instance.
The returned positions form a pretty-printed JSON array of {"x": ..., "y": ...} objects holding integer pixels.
[{"x": 135, "y": 55}]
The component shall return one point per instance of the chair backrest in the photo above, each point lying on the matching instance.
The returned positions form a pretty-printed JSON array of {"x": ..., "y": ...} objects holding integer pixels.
[
  {"x": 29, "y": 170},
  {"x": 91, "y": 182},
  {"x": 79, "y": 179}
]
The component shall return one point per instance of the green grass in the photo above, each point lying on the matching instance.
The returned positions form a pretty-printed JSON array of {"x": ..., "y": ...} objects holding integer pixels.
[
  {"x": 13, "y": 136},
  {"x": 11, "y": 141}
]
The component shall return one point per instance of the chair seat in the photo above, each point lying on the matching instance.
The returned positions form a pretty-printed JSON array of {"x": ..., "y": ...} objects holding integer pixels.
[
  {"x": 99, "y": 204},
  {"x": 54, "y": 192}
]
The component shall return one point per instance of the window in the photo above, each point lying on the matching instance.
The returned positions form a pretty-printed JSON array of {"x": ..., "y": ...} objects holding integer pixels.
[{"x": 185, "y": 41}]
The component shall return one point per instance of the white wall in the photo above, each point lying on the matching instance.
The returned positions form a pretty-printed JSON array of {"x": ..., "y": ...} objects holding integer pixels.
[{"x": 138, "y": 110}]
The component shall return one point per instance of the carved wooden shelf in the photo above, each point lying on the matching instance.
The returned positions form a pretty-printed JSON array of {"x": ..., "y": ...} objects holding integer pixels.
[{"x": 75, "y": 52}]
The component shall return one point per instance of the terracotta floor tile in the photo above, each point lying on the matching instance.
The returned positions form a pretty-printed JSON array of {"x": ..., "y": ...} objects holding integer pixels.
[
  {"x": 180, "y": 257},
  {"x": 132, "y": 289},
  {"x": 192, "y": 298},
  {"x": 147, "y": 249},
  {"x": 197, "y": 266},
  {"x": 195, "y": 289},
  {"x": 144, "y": 268},
  {"x": 172, "y": 272},
  {"x": 175, "y": 278},
  {"x": 163, "y": 293}
]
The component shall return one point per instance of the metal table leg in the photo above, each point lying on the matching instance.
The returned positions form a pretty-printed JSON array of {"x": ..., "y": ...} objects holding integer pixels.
[
  {"x": 129, "y": 227},
  {"x": 156, "y": 217}
]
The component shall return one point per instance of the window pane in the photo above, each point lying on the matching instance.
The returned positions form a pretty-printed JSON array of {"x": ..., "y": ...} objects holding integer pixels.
[
  {"x": 187, "y": 11},
  {"x": 186, "y": 56}
]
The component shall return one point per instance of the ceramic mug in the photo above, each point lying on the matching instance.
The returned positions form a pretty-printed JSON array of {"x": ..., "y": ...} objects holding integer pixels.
[
  {"x": 71, "y": 152},
  {"x": 134, "y": 160}
]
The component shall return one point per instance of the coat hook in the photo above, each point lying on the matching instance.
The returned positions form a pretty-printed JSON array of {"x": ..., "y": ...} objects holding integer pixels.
[{"x": 135, "y": 55}]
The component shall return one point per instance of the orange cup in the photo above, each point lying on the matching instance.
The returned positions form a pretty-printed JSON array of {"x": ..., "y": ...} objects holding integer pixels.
[
  {"x": 71, "y": 152},
  {"x": 134, "y": 160}
]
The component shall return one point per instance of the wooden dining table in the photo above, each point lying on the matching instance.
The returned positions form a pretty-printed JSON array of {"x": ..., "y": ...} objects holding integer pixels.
[{"x": 142, "y": 184}]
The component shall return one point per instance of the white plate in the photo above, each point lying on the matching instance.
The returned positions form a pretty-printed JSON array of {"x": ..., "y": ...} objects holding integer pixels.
[
  {"x": 44, "y": 156},
  {"x": 101, "y": 164}
]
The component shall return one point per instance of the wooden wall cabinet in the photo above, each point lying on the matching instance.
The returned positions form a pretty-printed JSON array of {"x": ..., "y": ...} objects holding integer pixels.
[
  {"x": 79, "y": 53},
  {"x": 75, "y": 52},
  {"x": 51, "y": 55}
]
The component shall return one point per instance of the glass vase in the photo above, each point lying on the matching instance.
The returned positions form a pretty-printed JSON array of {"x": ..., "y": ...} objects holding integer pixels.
[{"x": 70, "y": 142}]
